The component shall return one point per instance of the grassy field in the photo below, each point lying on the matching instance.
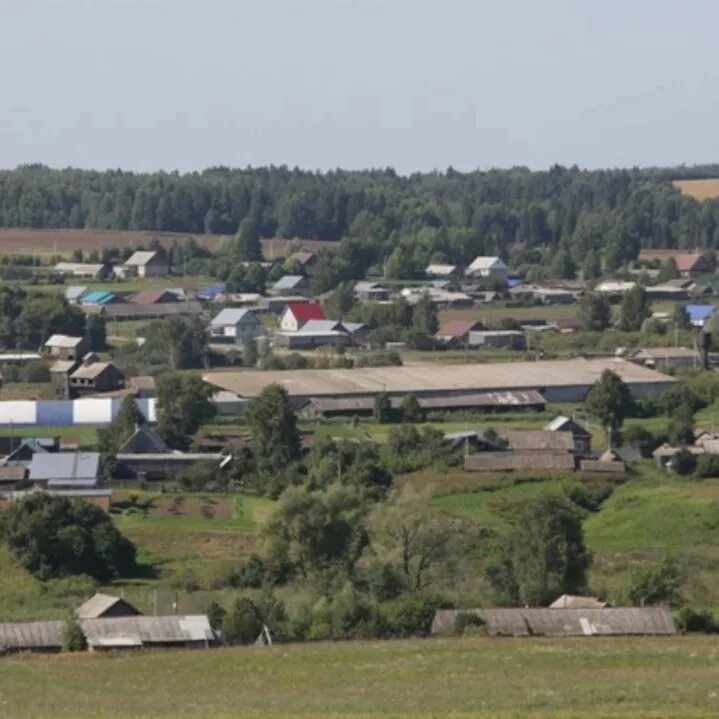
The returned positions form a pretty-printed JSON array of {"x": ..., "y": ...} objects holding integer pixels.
[
  {"x": 45, "y": 243},
  {"x": 85, "y": 436},
  {"x": 698, "y": 189},
  {"x": 661, "y": 678}
]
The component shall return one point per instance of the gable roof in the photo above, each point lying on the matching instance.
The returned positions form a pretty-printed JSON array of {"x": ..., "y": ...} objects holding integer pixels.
[
  {"x": 75, "y": 292},
  {"x": 91, "y": 371},
  {"x": 144, "y": 440},
  {"x": 64, "y": 341},
  {"x": 539, "y": 440},
  {"x": 458, "y": 328},
  {"x": 686, "y": 262},
  {"x": 305, "y": 311},
  {"x": 150, "y": 297},
  {"x": 368, "y": 286},
  {"x": 99, "y": 604},
  {"x": 320, "y": 326},
  {"x": 141, "y": 257},
  {"x": 562, "y": 423},
  {"x": 97, "y": 297},
  {"x": 288, "y": 282},
  {"x": 486, "y": 263},
  {"x": 441, "y": 270},
  {"x": 231, "y": 316},
  {"x": 78, "y": 468},
  {"x": 303, "y": 257},
  {"x": 699, "y": 312}
]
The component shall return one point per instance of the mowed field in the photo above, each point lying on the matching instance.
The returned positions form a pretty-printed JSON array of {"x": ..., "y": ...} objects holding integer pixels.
[
  {"x": 699, "y": 189},
  {"x": 64, "y": 242},
  {"x": 480, "y": 677}
]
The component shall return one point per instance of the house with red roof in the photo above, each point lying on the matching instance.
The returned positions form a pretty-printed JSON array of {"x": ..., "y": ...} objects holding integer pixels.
[
  {"x": 152, "y": 297},
  {"x": 692, "y": 264},
  {"x": 296, "y": 314},
  {"x": 457, "y": 331}
]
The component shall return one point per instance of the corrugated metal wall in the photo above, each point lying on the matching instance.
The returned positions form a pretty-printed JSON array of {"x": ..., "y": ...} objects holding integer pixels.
[{"x": 59, "y": 413}]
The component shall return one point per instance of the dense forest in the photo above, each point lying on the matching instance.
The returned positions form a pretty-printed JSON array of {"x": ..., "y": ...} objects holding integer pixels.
[{"x": 559, "y": 215}]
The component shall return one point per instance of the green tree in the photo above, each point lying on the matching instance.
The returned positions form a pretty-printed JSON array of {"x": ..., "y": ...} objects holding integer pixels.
[
  {"x": 562, "y": 267},
  {"x": 128, "y": 419},
  {"x": 410, "y": 409},
  {"x": 382, "y": 408},
  {"x": 341, "y": 302},
  {"x": 595, "y": 312},
  {"x": 592, "y": 266},
  {"x": 543, "y": 556},
  {"x": 73, "y": 638},
  {"x": 96, "y": 332},
  {"x": 424, "y": 316},
  {"x": 635, "y": 308},
  {"x": 176, "y": 342},
  {"x": 243, "y": 623},
  {"x": 657, "y": 583},
  {"x": 247, "y": 246},
  {"x": 610, "y": 401},
  {"x": 273, "y": 428},
  {"x": 183, "y": 405},
  {"x": 54, "y": 536},
  {"x": 680, "y": 318},
  {"x": 313, "y": 530},
  {"x": 669, "y": 270},
  {"x": 250, "y": 354},
  {"x": 415, "y": 538}
]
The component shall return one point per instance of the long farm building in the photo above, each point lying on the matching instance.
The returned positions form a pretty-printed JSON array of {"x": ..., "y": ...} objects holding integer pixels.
[{"x": 557, "y": 381}]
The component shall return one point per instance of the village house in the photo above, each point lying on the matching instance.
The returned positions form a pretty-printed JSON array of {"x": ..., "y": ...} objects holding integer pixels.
[
  {"x": 488, "y": 267},
  {"x": 105, "y": 605},
  {"x": 456, "y": 332},
  {"x": 663, "y": 357},
  {"x": 291, "y": 284},
  {"x": 93, "y": 377},
  {"x": 305, "y": 261},
  {"x": 144, "y": 264},
  {"x": 582, "y": 438},
  {"x": 296, "y": 314},
  {"x": 693, "y": 264},
  {"x": 498, "y": 339},
  {"x": 235, "y": 324},
  {"x": 153, "y": 297},
  {"x": 95, "y": 271},
  {"x": 67, "y": 348},
  {"x": 444, "y": 272},
  {"x": 366, "y": 291}
]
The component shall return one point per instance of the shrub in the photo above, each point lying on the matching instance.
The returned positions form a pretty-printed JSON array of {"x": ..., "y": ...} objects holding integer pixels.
[
  {"x": 216, "y": 615},
  {"x": 691, "y": 620},
  {"x": 465, "y": 622},
  {"x": 250, "y": 573},
  {"x": 243, "y": 623},
  {"x": 684, "y": 462},
  {"x": 385, "y": 582},
  {"x": 409, "y": 616},
  {"x": 708, "y": 465},
  {"x": 73, "y": 638},
  {"x": 53, "y": 536}
]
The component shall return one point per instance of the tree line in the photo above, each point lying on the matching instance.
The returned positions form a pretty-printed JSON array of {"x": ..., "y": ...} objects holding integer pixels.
[{"x": 566, "y": 213}]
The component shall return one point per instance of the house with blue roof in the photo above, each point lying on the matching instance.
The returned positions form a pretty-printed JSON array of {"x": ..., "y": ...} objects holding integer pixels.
[
  {"x": 97, "y": 297},
  {"x": 211, "y": 292},
  {"x": 699, "y": 314}
]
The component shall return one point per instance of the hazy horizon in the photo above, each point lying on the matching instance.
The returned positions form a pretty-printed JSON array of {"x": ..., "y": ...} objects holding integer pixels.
[{"x": 147, "y": 85}]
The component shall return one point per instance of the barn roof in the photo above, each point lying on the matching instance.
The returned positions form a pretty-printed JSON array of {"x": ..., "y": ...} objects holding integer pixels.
[
  {"x": 143, "y": 630},
  {"x": 573, "y": 601},
  {"x": 99, "y": 604},
  {"x": 509, "y": 461},
  {"x": 64, "y": 341},
  {"x": 540, "y": 440},
  {"x": 19, "y": 636},
  {"x": 526, "y": 622}
]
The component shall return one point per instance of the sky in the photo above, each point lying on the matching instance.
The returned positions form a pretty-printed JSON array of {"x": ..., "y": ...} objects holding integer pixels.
[{"x": 412, "y": 84}]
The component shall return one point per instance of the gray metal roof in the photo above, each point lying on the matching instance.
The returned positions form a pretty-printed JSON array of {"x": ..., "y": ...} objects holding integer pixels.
[
  {"x": 63, "y": 467},
  {"x": 609, "y": 621},
  {"x": 141, "y": 257},
  {"x": 100, "y": 603},
  {"x": 147, "y": 630},
  {"x": 63, "y": 341},
  {"x": 321, "y": 326},
  {"x": 230, "y": 316},
  {"x": 19, "y": 636},
  {"x": 509, "y": 461},
  {"x": 288, "y": 282},
  {"x": 521, "y": 440}
]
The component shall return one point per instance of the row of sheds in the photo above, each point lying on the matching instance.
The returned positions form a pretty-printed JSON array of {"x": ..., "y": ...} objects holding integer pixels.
[{"x": 110, "y": 623}]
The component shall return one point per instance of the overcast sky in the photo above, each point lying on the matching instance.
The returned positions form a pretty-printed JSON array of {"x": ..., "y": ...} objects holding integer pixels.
[{"x": 414, "y": 84}]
